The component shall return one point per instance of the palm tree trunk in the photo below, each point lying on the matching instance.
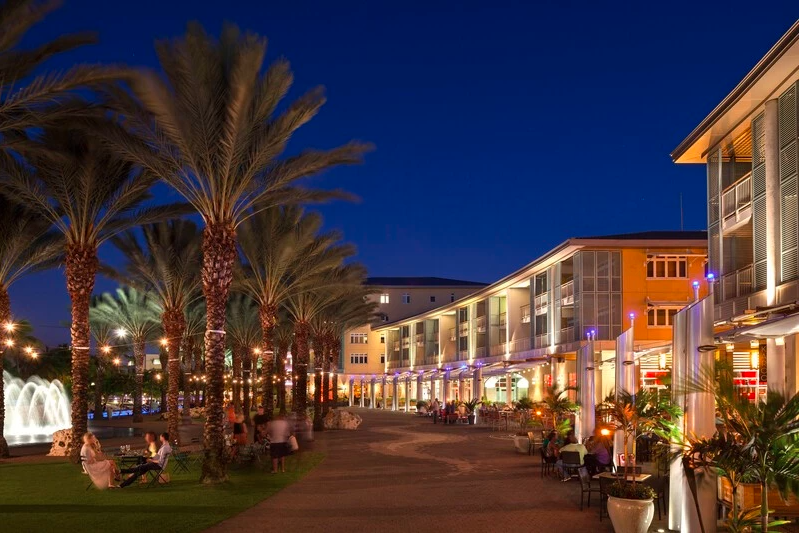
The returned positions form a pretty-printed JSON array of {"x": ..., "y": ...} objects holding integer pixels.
[
  {"x": 138, "y": 358},
  {"x": 5, "y": 318},
  {"x": 187, "y": 354},
  {"x": 301, "y": 358},
  {"x": 246, "y": 378},
  {"x": 335, "y": 352},
  {"x": 219, "y": 253},
  {"x": 98, "y": 390},
  {"x": 267, "y": 314},
  {"x": 174, "y": 322},
  {"x": 318, "y": 378},
  {"x": 280, "y": 370},
  {"x": 81, "y": 268},
  {"x": 236, "y": 351}
]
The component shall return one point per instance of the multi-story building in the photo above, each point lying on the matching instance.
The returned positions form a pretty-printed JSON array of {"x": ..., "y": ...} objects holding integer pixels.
[
  {"x": 399, "y": 297},
  {"x": 749, "y": 145},
  {"x": 512, "y": 338}
]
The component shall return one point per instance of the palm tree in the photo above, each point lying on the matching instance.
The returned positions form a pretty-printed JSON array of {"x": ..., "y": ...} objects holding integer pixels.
[
  {"x": 282, "y": 249},
  {"x": 244, "y": 336},
  {"x": 88, "y": 194},
  {"x": 207, "y": 126},
  {"x": 283, "y": 338},
  {"x": 558, "y": 405},
  {"x": 27, "y": 245},
  {"x": 103, "y": 333},
  {"x": 192, "y": 352},
  {"x": 137, "y": 315},
  {"x": 42, "y": 98},
  {"x": 166, "y": 264}
]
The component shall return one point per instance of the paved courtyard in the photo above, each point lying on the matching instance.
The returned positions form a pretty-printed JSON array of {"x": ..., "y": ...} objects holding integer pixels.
[{"x": 401, "y": 473}]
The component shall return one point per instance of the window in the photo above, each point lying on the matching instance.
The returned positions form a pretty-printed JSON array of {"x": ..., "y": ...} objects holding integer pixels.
[
  {"x": 432, "y": 298},
  {"x": 384, "y": 299},
  {"x": 406, "y": 299},
  {"x": 357, "y": 338},
  {"x": 451, "y": 298},
  {"x": 384, "y": 317},
  {"x": 382, "y": 358},
  {"x": 359, "y": 358},
  {"x": 382, "y": 338},
  {"x": 667, "y": 267},
  {"x": 661, "y": 316}
]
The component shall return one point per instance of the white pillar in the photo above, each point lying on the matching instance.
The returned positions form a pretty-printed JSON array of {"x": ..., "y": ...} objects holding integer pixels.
[
  {"x": 352, "y": 392},
  {"x": 407, "y": 394},
  {"x": 772, "y": 160},
  {"x": 419, "y": 387},
  {"x": 373, "y": 393},
  {"x": 432, "y": 387},
  {"x": 585, "y": 373},
  {"x": 625, "y": 382},
  {"x": 445, "y": 387},
  {"x": 395, "y": 394},
  {"x": 509, "y": 389},
  {"x": 477, "y": 383},
  {"x": 462, "y": 386},
  {"x": 775, "y": 364},
  {"x": 363, "y": 393},
  {"x": 383, "y": 394}
]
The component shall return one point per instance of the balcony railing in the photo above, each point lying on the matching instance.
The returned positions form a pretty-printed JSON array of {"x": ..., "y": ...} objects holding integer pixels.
[
  {"x": 396, "y": 345},
  {"x": 481, "y": 324},
  {"x": 541, "y": 340},
  {"x": 463, "y": 329},
  {"x": 541, "y": 303},
  {"x": 519, "y": 345},
  {"x": 736, "y": 202},
  {"x": 567, "y": 293},
  {"x": 420, "y": 339},
  {"x": 497, "y": 349},
  {"x": 406, "y": 343},
  {"x": 525, "y": 313},
  {"x": 736, "y": 284},
  {"x": 480, "y": 352},
  {"x": 452, "y": 336}
]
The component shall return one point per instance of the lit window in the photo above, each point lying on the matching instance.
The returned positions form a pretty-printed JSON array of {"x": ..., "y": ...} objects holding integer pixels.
[
  {"x": 661, "y": 316},
  {"x": 357, "y": 338},
  {"x": 406, "y": 299},
  {"x": 667, "y": 267},
  {"x": 359, "y": 358},
  {"x": 432, "y": 298},
  {"x": 384, "y": 298}
]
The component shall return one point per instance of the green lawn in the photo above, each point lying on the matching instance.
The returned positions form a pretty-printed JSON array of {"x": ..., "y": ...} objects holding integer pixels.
[{"x": 52, "y": 497}]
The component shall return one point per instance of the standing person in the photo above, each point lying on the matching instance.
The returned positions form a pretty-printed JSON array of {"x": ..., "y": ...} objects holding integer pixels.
[
  {"x": 154, "y": 463},
  {"x": 278, "y": 431},
  {"x": 435, "y": 407},
  {"x": 259, "y": 421}
]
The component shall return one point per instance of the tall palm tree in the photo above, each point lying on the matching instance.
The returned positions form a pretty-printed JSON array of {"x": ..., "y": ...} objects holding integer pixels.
[
  {"x": 282, "y": 337},
  {"x": 207, "y": 126},
  {"x": 42, "y": 97},
  {"x": 103, "y": 333},
  {"x": 27, "y": 245},
  {"x": 88, "y": 194},
  {"x": 244, "y": 336},
  {"x": 137, "y": 315},
  {"x": 282, "y": 249},
  {"x": 166, "y": 264},
  {"x": 192, "y": 353}
]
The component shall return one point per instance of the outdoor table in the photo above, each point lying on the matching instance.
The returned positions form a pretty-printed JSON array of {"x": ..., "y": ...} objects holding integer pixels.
[
  {"x": 127, "y": 460},
  {"x": 608, "y": 475}
]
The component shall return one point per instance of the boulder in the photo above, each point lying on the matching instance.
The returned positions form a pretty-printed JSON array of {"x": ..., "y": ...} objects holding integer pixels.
[
  {"x": 341, "y": 419},
  {"x": 61, "y": 441}
]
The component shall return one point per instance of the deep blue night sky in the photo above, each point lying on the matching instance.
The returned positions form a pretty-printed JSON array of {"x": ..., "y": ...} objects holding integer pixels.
[{"x": 501, "y": 128}]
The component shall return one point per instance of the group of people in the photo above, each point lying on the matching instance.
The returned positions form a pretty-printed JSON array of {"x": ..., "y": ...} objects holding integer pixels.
[
  {"x": 594, "y": 454},
  {"x": 450, "y": 407},
  {"x": 273, "y": 431},
  {"x": 104, "y": 472}
]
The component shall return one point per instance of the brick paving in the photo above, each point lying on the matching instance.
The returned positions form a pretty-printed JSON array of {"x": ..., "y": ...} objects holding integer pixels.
[{"x": 401, "y": 473}]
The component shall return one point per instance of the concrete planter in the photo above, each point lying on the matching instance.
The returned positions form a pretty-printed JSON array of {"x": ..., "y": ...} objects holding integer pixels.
[{"x": 630, "y": 516}]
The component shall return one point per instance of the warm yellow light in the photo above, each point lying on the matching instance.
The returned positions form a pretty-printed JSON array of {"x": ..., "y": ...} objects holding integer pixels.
[
  {"x": 157, "y": 376},
  {"x": 28, "y": 350},
  {"x": 121, "y": 333},
  {"x": 604, "y": 432},
  {"x": 256, "y": 350},
  {"x": 164, "y": 342},
  {"x": 730, "y": 348},
  {"x": 106, "y": 349},
  {"x": 9, "y": 327},
  {"x": 117, "y": 361},
  {"x": 34, "y": 355},
  {"x": 538, "y": 413},
  {"x": 662, "y": 361},
  {"x": 9, "y": 342},
  {"x": 755, "y": 360}
]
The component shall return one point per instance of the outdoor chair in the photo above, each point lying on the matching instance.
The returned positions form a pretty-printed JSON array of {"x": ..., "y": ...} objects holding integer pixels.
[
  {"x": 531, "y": 438},
  {"x": 158, "y": 476},
  {"x": 181, "y": 460},
  {"x": 604, "y": 485},
  {"x": 571, "y": 461},
  {"x": 661, "y": 485},
  {"x": 547, "y": 464},
  {"x": 86, "y": 472},
  {"x": 585, "y": 486}
]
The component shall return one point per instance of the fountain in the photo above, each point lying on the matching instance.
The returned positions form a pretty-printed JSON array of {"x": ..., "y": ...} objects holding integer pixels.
[{"x": 34, "y": 409}]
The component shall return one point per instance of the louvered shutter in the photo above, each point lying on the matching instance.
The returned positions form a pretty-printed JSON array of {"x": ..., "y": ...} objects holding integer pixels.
[
  {"x": 789, "y": 215},
  {"x": 759, "y": 201}
]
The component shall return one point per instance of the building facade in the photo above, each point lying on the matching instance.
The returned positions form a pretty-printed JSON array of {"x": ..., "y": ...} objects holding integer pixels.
[
  {"x": 513, "y": 338},
  {"x": 748, "y": 144}
]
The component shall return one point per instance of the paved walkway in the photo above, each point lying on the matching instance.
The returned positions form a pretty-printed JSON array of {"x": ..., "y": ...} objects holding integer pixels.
[{"x": 401, "y": 473}]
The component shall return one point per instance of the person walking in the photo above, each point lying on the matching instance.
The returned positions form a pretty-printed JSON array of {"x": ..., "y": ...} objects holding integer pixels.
[
  {"x": 278, "y": 431},
  {"x": 435, "y": 407}
]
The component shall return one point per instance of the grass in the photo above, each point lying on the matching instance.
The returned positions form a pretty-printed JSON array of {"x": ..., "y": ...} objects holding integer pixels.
[{"x": 51, "y": 497}]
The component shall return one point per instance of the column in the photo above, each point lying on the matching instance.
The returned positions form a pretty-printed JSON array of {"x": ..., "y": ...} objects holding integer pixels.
[
  {"x": 363, "y": 393},
  {"x": 477, "y": 382},
  {"x": 775, "y": 364},
  {"x": 407, "y": 394},
  {"x": 772, "y": 161},
  {"x": 419, "y": 387},
  {"x": 462, "y": 386},
  {"x": 445, "y": 387},
  {"x": 395, "y": 394},
  {"x": 383, "y": 394},
  {"x": 352, "y": 392},
  {"x": 373, "y": 393},
  {"x": 509, "y": 389},
  {"x": 432, "y": 386}
]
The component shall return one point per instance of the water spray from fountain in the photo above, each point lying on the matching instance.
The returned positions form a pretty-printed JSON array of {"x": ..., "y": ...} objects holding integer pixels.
[{"x": 35, "y": 409}]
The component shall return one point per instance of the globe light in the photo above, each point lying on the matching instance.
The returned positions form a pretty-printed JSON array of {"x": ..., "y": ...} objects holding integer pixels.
[
  {"x": 164, "y": 342},
  {"x": 117, "y": 361},
  {"x": 9, "y": 327},
  {"x": 9, "y": 342},
  {"x": 121, "y": 332},
  {"x": 106, "y": 350}
]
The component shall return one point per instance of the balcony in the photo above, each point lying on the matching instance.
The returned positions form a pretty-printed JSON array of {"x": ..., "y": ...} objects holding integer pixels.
[
  {"x": 736, "y": 204},
  {"x": 567, "y": 293},
  {"x": 452, "y": 336},
  {"x": 406, "y": 343},
  {"x": 420, "y": 339},
  {"x": 396, "y": 345},
  {"x": 481, "y": 324},
  {"x": 463, "y": 329},
  {"x": 496, "y": 350},
  {"x": 541, "y": 340},
  {"x": 736, "y": 284},
  {"x": 519, "y": 345},
  {"x": 525, "y": 313},
  {"x": 541, "y": 303},
  {"x": 480, "y": 352}
]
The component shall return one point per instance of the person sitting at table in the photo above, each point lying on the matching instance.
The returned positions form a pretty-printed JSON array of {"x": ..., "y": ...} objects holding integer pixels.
[
  {"x": 551, "y": 449},
  {"x": 101, "y": 471},
  {"x": 571, "y": 445},
  {"x": 154, "y": 463},
  {"x": 598, "y": 454},
  {"x": 152, "y": 446}
]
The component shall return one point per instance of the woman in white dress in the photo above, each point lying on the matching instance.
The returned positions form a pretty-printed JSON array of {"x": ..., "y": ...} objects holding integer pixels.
[{"x": 102, "y": 471}]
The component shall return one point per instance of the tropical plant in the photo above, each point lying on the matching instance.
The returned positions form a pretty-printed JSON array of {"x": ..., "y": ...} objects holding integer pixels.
[
  {"x": 283, "y": 337},
  {"x": 206, "y": 125},
  {"x": 524, "y": 404},
  {"x": 558, "y": 405},
  {"x": 27, "y": 245},
  {"x": 244, "y": 337},
  {"x": 192, "y": 353},
  {"x": 102, "y": 332},
  {"x": 136, "y": 314},
  {"x": 422, "y": 404},
  {"x": 631, "y": 491},
  {"x": 166, "y": 264},
  {"x": 88, "y": 194}
]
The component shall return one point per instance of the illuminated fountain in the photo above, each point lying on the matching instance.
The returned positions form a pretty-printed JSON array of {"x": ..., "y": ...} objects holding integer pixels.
[{"x": 34, "y": 409}]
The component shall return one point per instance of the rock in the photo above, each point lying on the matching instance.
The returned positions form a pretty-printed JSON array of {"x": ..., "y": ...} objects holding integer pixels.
[
  {"x": 61, "y": 441},
  {"x": 340, "y": 419}
]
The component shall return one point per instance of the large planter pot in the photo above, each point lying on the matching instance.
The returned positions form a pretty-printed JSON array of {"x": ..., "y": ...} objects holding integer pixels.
[
  {"x": 521, "y": 444},
  {"x": 630, "y": 516},
  {"x": 472, "y": 418}
]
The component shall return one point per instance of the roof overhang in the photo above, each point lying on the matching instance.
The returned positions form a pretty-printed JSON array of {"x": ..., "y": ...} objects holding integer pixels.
[{"x": 772, "y": 75}]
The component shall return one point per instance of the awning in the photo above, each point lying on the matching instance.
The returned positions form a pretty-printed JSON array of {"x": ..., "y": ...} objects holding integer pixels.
[
  {"x": 772, "y": 329},
  {"x": 653, "y": 303}
]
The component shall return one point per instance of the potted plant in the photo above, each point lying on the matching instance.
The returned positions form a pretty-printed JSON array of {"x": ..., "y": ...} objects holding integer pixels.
[
  {"x": 422, "y": 406},
  {"x": 630, "y": 505},
  {"x": 471, "y": 406}
]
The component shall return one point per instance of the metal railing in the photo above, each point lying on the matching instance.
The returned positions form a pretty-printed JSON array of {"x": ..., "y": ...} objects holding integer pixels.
[
  {"x": 519, "y": 345},
  {"x": 481, "y": 324},
  {"x": 567, "y": 293},
  {"x": 480, "y": 352},
  {"x": 541, "y": 303},
  {"x": 525, "y": 313},
  {"x": 452, "y": 336},
  {"x": 736, "y": 284},
  {"x": 736, "y": 197}
]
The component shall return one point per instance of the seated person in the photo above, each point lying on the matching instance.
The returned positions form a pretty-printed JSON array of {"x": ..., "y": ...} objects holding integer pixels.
[
  {"x": 101, "y": 471},
  {"x": 599, "y": 455},
  {"x": 154, "y": 463},
  {"x": 551, "y": 449},
  {"x": 260, "y": 422},
  {"x": 152, "y": 445},
  {"x": 571, "y": 445}
]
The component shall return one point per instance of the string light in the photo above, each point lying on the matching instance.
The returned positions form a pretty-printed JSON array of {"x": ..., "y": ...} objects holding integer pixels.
[
  {"x": 9, "y": 342},
  {"x": 28, "y": 350},
  {"x": 117, "y": 361},
  {"x": 164, "y": 342},
  {"x": 106, "y": 349},
  {"x": 121, "y": 332},
  {"x": 257, "y": 350},
  {"x": 9, "y": 327}
]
